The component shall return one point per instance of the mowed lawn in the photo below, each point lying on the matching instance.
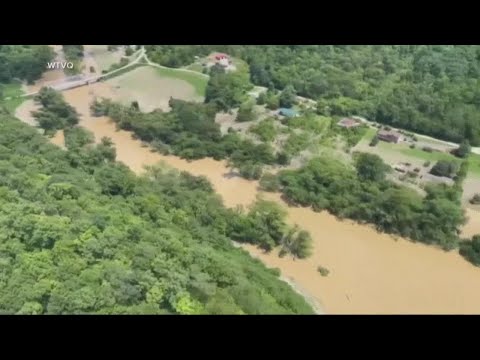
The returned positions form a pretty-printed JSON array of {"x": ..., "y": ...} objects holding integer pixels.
[
  {"x": 198, "y": 81},
  {"x": 12, "y": 91},
  {"x": 151, "y": 88},
  {"x": 404, "y": 153},
  {"x": 474, "y": 166}
]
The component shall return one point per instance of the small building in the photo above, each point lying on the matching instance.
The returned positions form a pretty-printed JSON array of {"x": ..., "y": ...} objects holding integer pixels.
[
  {"x": 287, "y": 112},
  {"x": 221, "y": 59},
  {"x": 349, "y": 123},
  {"x": 389, "y": 136}
]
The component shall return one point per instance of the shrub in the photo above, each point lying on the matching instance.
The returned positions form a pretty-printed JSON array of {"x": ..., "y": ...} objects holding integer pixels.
[
  {"x": 426, "y": 163},
  {"x": 445, "y": 168},
  {"x": 475, "y": 200},
  {"x": 412, "y": 146},
  {"x": 323, "y": 271},
  {"x": 374, "y": 141},
  {"x": 269, "y": 182}
]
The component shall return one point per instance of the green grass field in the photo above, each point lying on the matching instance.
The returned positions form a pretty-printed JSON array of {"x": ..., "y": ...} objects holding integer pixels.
[
  {"x": 474, "y": 165},
  {"x": 121, "y": 72},
  {"x": 424, "y": 155},
  {"x": 198, "y": 81},
  {"x": 370, "y": 134},
  {"x": 195, "y": 67},
  {"x": 474, "y": 159},
  {"x": 12, "y": 91}
]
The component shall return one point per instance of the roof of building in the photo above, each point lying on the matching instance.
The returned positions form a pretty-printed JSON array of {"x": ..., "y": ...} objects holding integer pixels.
[
  {"x": 220, "y": 56},
  {"x": 348, "y": 122},
  {"x": 389, "y": 133},
  {"x": 287, "y": 112}
]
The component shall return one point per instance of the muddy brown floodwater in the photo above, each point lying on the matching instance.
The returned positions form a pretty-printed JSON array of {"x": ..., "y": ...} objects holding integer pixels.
[
  {"x": 473, "y": 224},
  {"x": 370, "y": 272}
]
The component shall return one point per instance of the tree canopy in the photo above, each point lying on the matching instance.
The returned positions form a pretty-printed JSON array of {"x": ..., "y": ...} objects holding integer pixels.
[
  {"x": 24, "y": 62},
  {"x": 81, "y": 234}
]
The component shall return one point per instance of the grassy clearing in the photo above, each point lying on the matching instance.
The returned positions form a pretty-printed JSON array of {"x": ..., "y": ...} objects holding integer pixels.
[
  {"x": 418, "y": 154},
  {"x": 198, "y": 81},
  {"x": 152, "y": 91},
  {"x": 12, "y": 91},
  {"x": 121, "y": 72},
  {"x": 424, "y": 155},
  {"x": 474, "y": 165},
  {"x": 195, "y": 67},
  {"x": 103, "y": 57},
  {"x": 369, "y": 135}
]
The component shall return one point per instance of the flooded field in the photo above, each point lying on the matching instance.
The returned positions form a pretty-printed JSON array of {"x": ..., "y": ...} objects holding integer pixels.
[
  {"x": 150, "y": 89},
  {"x": 370, "y": 272},
  {"x": 473, "y": 224}
]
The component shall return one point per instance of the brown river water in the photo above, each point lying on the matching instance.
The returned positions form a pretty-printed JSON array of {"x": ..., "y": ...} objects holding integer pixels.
[{"x": 370, "y": 272}]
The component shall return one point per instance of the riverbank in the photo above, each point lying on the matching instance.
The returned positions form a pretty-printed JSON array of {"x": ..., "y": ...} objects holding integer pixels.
[{"x": 370, "y": 272}]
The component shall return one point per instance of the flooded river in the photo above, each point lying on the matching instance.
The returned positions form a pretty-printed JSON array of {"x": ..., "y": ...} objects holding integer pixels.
[{"x": 370, "y": 272}]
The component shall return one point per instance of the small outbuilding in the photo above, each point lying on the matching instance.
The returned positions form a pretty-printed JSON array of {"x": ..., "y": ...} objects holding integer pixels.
[
  {"x": 389, "y": 136},
  {"x": 287, "y": 112},
  {"x": 349, "y": 123}
]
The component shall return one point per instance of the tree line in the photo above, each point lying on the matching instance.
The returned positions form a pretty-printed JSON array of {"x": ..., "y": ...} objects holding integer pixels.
[
  {"x": 55, "y": 113},
  {"x": 189, "y": 131},
  {"x": 363, "y": 193}
]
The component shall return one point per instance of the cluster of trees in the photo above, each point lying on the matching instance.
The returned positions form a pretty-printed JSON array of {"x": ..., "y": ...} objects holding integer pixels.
[
  {"x": 430, "y": 89},
  {"x": 445, "y": 168},
  {"x": 228, "y": 90},
  {"x": 189, "y": 130},
  {"x": 74, "y": 54},
  {"x": 463, "y": 150},
  {"x": 471, "y": 250},
  {"x": 264, "y": 225},
  {"x": 270, "y": 98},
  {"x": 24, "y": 62},
  {"x": 363, "y": 194},
  {"x": 55, "y": 113},
  {"x": 246, "y": 112},
  {"x": 265, "y": 130},
  {"x": 79, "y": 233}
]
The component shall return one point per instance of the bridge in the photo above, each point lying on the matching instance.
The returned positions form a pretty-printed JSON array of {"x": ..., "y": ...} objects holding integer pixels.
[{"x": 75, "y": 81}]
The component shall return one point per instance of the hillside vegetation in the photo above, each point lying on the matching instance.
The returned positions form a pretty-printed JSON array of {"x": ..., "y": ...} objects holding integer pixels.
[{"x": 80, "y": 233}]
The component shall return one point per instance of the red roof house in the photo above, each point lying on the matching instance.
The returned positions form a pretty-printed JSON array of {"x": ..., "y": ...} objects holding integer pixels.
[{"x": 220, "y": 56}]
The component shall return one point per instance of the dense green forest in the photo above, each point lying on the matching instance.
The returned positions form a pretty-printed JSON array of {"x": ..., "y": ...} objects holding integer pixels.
[
  {"x": 81, "y": 233},
  {"x": 364, "y": 194},
  {"x": 429, "y": 89},
  {"x": 189, "y": 130},
  {"x": 24, "y": 62}
]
